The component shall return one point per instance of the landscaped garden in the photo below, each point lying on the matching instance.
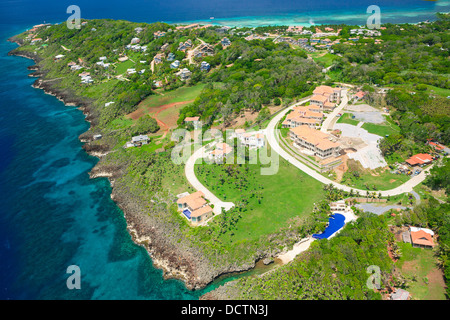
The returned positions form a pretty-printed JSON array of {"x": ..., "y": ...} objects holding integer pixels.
[{"x": 271, "y": 201}]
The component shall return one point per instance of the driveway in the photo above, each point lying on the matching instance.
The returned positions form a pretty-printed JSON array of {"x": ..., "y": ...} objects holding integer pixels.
[
  {"x": 331, "y": 118},
  {"x": 190, "y": 175}
]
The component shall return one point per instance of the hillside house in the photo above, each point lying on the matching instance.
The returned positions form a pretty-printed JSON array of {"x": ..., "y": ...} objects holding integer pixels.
[
  {"x": 158, "y": 34},
  {"x": 140, "y": 140},
  {"x": 164, "y": 47},
  {"x": 420, "y": 159},
  {"x": 135, "y": 40},
  {"x": 225, "y": 42},
  {"x": 302, "y": 115},
  {"x": 205, "y": 66},
  {"x": 171, "y": 57},
  {"x": 159, "y": 58},
  {"x": 184, "y": 74},
  {"x": 203, "y": 50},
  {"x": 195, "y": 208},
  {"x": 194, "y": 120},
  {"x": 253, "y": 139},
  {"x": 220, "y": 152},
  {"x": 422, "y": 237},
  {"x": 183, "y": 46}
]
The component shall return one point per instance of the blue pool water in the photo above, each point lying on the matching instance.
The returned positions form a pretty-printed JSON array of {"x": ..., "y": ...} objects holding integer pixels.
[
  {"x": 187, "y": 213},
  {"x": 335, "y": 223}
]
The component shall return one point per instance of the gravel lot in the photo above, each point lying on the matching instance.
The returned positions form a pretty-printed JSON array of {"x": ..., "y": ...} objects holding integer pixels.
[
  {"x": 370, "y": 155},
  {"x": 366, "y": 113}
]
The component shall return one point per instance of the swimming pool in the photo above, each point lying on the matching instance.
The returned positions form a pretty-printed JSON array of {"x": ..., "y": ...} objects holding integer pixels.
[
  {"x": 335, "y": 223},
  {"x": 187, "y": 213}
]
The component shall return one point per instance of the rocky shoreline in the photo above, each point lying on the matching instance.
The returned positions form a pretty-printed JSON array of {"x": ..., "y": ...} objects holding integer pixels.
[{"x": 176, "y": 261}]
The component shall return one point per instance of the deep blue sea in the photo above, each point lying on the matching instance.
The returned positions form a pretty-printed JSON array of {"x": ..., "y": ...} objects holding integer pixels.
[{"x": 51, "y": 214}]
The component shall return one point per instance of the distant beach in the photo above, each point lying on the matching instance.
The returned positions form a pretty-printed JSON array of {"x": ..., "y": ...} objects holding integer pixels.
[{"x": 356, "y": 16}]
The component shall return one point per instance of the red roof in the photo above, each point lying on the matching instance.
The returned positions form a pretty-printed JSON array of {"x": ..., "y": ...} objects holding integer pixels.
[
  {"x": 360, "y": 94},
  {"x": 420, "y": 158},
  {"x": 422, "y": 238},
  {"x": 437, "y": 146}
]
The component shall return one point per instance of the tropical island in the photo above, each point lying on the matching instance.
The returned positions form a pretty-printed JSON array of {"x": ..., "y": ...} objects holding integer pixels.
[{"x": 359, "y": 117}]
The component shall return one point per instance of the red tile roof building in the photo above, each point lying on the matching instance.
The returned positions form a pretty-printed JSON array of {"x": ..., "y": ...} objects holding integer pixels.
[
  {"x": 422, "y": 239},
  {"x": 302, "y": 116},
  {"x": 419, "y": 159}
]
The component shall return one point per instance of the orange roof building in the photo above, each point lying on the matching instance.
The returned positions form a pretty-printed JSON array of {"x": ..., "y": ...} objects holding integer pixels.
[
  {"x": 302, "y": 115},
  {"x": 333, "y": 94},
  {"x": 195, "y": 207},
  {"x": 188, "y": 119},
  {"x": 221, "y": 150},
  {"x": 314, "y": 140},
  {"x": 437, "y": 146},
  {"x": 419, "y": 159},
  {"x": 422, "y": 239},
  {"x": 193, "y": 201}
]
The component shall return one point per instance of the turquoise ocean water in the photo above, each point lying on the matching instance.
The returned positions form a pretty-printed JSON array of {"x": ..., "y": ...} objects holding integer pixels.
[{"x": 51, "y": 214}]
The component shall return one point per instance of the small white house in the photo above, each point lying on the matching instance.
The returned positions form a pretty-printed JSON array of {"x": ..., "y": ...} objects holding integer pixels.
[
  {"x": 143, "y": 139},
  {"x": 254, "y": 139}
]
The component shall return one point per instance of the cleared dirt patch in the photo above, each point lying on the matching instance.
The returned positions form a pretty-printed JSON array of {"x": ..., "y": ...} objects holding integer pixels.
[
  {"x": 240, "y": 120},
  {"x": 168, "y": 119}
]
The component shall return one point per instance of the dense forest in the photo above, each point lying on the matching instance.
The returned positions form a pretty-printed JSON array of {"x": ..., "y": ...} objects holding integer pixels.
[
  {"x": 252, "y": 74},
  {"x": 420, "y": 117}
]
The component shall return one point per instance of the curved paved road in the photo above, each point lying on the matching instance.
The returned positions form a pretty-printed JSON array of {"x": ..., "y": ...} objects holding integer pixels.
[
  {"x": 271, "y": 139},
  {"x": 331, "y": 118},
  {"x": 190, "y": 175}
]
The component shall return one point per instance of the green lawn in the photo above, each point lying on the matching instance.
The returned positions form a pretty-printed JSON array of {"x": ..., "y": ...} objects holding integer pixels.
[
  {"x": 288, "y": 194},
  {"x": 122, "y": 67},
  {"x": 177, "y": 95},
  {"x": 420, "y": 264},
  {"x": 382, "y": 129},
  {"x": 120, "y": 123},
  {"x": 381, "y": 178},
  {"x": 325, "y": 60},
  {"x": 431, "y": 89},
  {"x": 347, "y": 118}
]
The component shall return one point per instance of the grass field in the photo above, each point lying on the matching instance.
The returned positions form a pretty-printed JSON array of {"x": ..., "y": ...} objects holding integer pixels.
[
  {"x": 122, "y": 67},
  {"x": 420, "y": 264},
  {"x": 383, "y": 129},
  {"x": 325, "y": 60},
  {"x": 151, "y": 103},
  {"x": 431, "y": 89},
  {"x": 381, "y": 178},
  {"x": 347, "y": 118},
  {"x": 288, "y": 194}
]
